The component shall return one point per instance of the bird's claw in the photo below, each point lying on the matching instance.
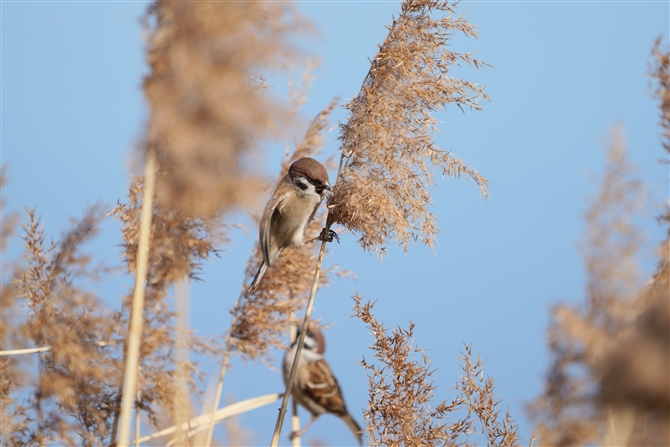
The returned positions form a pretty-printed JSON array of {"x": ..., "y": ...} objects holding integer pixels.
[{"x": 329, "y": 236}]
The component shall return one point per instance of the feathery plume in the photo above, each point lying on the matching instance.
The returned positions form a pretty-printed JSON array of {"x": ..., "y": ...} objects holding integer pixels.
[
  {"x": 208, "y": 110},
  {"x": 388, "y": 150},
  {"x": 584, "y": 338},
  {"x": 399, "y": 409}
]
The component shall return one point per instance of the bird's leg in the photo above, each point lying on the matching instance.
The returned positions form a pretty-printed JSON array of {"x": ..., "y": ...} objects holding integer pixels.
[
  {"x": 302, "y": 431},
  {"x": 326, "y": 236}
]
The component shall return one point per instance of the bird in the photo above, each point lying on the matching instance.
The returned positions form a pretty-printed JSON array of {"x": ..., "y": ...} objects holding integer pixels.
[
  {"x": 289, "y": 211},
  {"x": 314, "y": 386}
]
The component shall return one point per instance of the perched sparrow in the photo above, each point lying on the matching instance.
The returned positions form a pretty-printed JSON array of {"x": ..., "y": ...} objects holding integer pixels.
[
  {"x": 314, "y": 386},
  {"x": 290, "y": 210}
]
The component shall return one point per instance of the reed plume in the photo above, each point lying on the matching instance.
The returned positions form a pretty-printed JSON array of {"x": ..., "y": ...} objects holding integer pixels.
[
  {"x": 400, "y": 409},
  {"x": 589, "y": 395},
  {"x": 71, "y": 399},
  {"x": 388, "y": 149},
  {"x": 207, "y": 114},
  {"x": 209, "y": 111}
]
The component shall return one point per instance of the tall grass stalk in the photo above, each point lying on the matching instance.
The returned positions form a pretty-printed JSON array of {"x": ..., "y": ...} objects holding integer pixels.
[
  {"x": 219, "y": 390},
  {"x": 136, "y": 317},
  {"x": 295, "y": 423},
  {"x": 138, "y": 419},
  {"x": 301, "y": 340},
  {"x": 181, "y": 403}
]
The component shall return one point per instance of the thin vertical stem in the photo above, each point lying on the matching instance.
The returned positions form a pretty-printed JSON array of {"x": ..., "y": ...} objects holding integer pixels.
[
  {"x": 219, "y": 387},
  {"x": 137, "y": 310},
  {"x": 295, "y": 423},
  {"x": 295, "y": 419},
  {"x": 305, "y": 321},
  {"x": 181, "y": 402},
  {"x": 137, "y": 420},
  {"x": 301, "y": 340}
]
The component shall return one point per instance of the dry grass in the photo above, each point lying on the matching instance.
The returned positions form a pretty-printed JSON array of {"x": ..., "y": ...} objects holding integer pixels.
[
  {"x": 659, "y": 70},
  {"x": 13, "y": 372},
  {"x": 70, "y": 398},
  {"x": 209, "y": 110},
  {"x": 582, "y": 336},
  {"x": 388, "y": 148},
  {"x": 609, "y": 381},
  {"x": 400, "y": 409},
  {"x": 179, "y": 247}
]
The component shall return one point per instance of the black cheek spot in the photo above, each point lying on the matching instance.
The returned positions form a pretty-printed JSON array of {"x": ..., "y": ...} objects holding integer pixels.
[{"x": 301, "y": 184}]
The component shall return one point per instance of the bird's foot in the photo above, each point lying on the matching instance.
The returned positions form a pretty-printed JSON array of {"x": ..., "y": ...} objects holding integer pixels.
[{"x": 328, "y": 236}]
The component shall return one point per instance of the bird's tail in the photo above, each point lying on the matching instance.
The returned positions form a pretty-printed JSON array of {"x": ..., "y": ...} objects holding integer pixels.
[
  {"x": 257, "y": 279},
  {"x": 354, "y": 427}
]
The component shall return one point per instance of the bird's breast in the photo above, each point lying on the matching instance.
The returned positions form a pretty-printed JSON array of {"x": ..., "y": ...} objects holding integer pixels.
[{"x": 294, "y": 214}]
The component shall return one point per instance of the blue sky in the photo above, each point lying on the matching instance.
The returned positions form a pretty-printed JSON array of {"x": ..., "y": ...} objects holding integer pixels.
[{"x": 564, "y": 73}]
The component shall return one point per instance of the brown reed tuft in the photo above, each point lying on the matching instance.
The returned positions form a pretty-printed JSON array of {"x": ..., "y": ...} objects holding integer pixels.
[
  {"x": 589, "y": 391},
  {"x": 71, "y": 399},
  {"x": 208, "y": 111},
  {"x": 14, "y": 414},
  {"x": 659, "y": 70},
  {"x": 9, "y": 307},
  {"x": 636, "y": 379},
  {"x": 388, "y": 147},
  {"x": 400, "y": 409},
  {"x": 178, "y": 248},
  {"x": 609, "y": 381}
]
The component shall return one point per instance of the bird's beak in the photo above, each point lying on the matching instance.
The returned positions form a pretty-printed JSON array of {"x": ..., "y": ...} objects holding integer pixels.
[{"x": 327, "y": 185}]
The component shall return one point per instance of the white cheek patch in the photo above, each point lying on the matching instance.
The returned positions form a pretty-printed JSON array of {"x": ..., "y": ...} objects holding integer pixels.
[
  {"x": 301, "y": 183},
  {"x": 304, "y": 186}
]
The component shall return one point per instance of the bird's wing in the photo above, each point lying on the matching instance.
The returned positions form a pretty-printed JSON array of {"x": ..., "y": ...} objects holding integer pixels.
[
  {"x": 266, "y": 223},
  {"x": 320, "y": 385}
]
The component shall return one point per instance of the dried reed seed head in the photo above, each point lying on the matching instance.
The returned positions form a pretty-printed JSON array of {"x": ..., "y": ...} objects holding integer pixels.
[
  {"x": 73, "y": 397},
  {"x": 207, "y": 115},
  {"x": 387, "y": 145},
  {"x": 594, "y": 344},
  {"x": 400, "y": 409},
  {"x": 635, "y": 372},
  {"x": 179, "y": 246},
  {"x": 659, "y": 70}
]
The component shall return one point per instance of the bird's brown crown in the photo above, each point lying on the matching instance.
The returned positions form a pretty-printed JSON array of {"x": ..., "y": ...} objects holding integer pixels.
[{"x": 310, "y": 169}]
